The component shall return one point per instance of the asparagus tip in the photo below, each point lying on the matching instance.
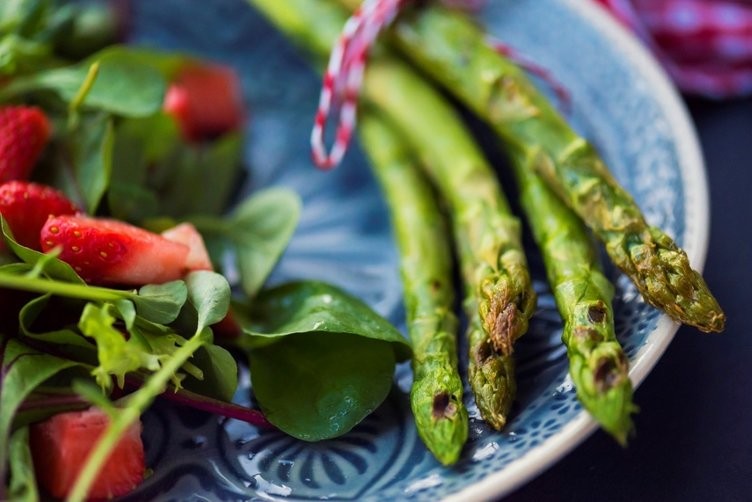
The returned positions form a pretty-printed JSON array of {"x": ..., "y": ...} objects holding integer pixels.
[{"x": 442, "y": 423}]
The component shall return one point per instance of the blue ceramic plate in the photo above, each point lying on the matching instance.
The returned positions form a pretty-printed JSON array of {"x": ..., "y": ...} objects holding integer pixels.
[{"x": 621, "y": 101}]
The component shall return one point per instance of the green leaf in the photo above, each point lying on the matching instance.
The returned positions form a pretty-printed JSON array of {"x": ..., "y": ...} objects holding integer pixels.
[
  {"x": 64, "y": 336},
  {"x": 161, "y": 303},
  {"x": 336, "y": 354},
  {"x": 131, "y": 202},
  {"x": 262, "y": 227},
  {"x": 331, "y": 382},
  {"x": 23, "y": 370},
  {"x": 23, "y": 484},
  {"x": 183, "y": 192},
  {"x": 312, "y": 307},
  {"x": 167, "y": 63},
  {"x": 141, "y": 148},
  {"x": 258, "y": 231},
  {"x": 24, "y": 16},
  {"x": 127, "y": 312},
  {"x": 21, "y": 55},
  {"x": 93, "y": 160},
  {"x": 126, "y": 85},
  {"x": 117, "y": 355},
  {"x": 156, "y": 173},
  {"x": 220, "y": 379},
  {"x": 209, "y": 293},
  {"x": 93, "y": 394}
]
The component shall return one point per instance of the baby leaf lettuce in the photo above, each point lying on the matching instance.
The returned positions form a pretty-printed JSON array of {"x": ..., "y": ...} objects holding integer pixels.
[
  {"x": 117, "y": 354},
  {"x": 321, "y": 360}
]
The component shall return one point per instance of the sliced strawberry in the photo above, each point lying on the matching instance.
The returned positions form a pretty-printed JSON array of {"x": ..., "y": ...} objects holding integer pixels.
[
  {"x": 107, "y": 251},
  {"x": 206, "y": 101},
  {"x": 198, "y": 256},
  {"x": 26, "y": 207},
  {"x": 61, "y": 444},
  {"x": 24, "y": 132}
]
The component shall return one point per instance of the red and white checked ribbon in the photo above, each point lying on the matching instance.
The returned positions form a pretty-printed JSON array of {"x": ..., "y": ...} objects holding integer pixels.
[
  {"x": 706, "y": 46},
  {"x": 343, "y": 77}
]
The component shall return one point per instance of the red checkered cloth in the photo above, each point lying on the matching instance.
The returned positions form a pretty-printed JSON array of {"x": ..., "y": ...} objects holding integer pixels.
[{"x": 705, "y": 45}]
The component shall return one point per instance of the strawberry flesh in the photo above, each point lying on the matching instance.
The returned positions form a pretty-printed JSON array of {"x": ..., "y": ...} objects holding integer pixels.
[
  {"x": 105, "y": 251},
  {"x": 61, "y": 444},
  {"x": 206, "y": 101},
  {"x": 198, "y": 256},
  {"x": 24, "y": 132},
  {"x": 26, "y": 207}
]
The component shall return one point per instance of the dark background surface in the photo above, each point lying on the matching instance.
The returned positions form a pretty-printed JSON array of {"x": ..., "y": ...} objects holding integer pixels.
[{"x": 694, "y": 430}]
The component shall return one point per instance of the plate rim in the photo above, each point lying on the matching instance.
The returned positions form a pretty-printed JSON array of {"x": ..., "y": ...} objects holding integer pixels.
[{"x": 694, "y": 180}]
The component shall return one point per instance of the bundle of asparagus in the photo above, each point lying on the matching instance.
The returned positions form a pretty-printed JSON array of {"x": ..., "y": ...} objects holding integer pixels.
[
  {"x": 544, "y": 151},
  {"x": 453, "y": 50}
]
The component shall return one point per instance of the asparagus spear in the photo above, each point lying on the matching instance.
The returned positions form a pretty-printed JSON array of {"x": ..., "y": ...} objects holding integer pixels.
[
  {"x": 597, "y": 363},
  {"x": 487, "y": 234},
  {"x": 453, "y": 50},
  {"x": 436, "y": 394}
]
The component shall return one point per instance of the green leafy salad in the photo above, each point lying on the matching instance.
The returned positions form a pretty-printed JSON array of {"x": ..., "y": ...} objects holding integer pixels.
[{"x": 114, "y": 257}]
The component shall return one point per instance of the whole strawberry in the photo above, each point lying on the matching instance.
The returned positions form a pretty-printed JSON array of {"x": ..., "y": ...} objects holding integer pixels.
[
  {"x": 206, "y": 101},
  {"x": 24, "y": 132},
  {"x": 26, "y": 207}
]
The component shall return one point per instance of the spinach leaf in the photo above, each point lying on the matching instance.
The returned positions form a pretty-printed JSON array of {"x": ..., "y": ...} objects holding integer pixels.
[
  {"x": 258, "y": 231},
  {"x": 125, "y": 84},
  {"x": 209, "y": 293},
  {"x": 23, "y": 485},
  {"x": 161, "y": 303},
  {"x": 220, "y": 373},
  {"x": 331, "y": 382},
  {"x": 337, "y": 357},
  {"x": 311, "y": 307}
]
